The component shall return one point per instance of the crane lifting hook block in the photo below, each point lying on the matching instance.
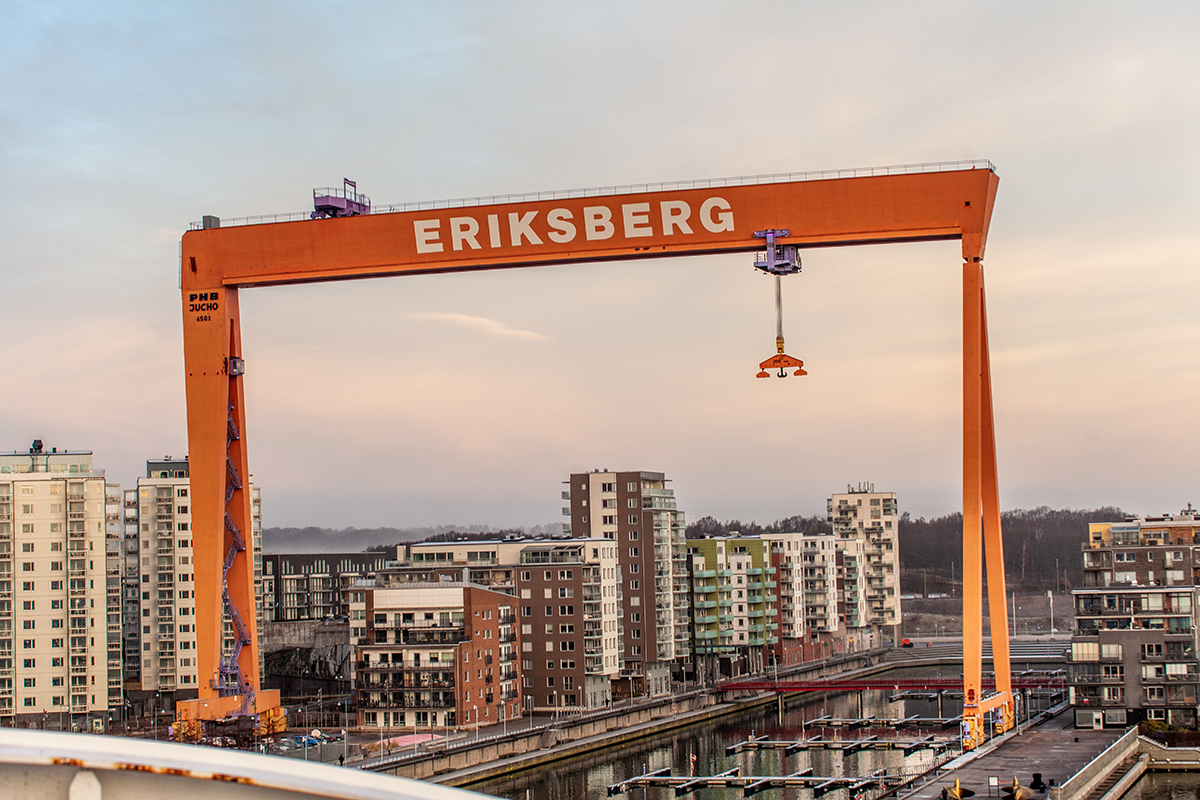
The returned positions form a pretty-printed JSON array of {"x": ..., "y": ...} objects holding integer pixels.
[{"x": 783, "y": 363}]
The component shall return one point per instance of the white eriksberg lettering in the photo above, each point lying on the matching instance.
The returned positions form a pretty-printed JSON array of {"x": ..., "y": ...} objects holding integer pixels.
[
  {"x": 597, "y": 222},
  {"x": 464, "y": 229},
  {"x": 518, "y": 226},
  {"x": 722, "y": 221},
  {"x": 675, "y": 214},
  {"x": 637, "y": 220},
  {"x": 427, "y": 235},
  {"x": 563, "y": 231},
  {"x": 716, "y": 215}
]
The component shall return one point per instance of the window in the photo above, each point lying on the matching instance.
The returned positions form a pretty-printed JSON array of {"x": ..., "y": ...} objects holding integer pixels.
[
  {"x": 635, "y": 617},
  {"x": 28, "y": 605},
  {"x": 608, "y": 519},
  {"x": 636, "y": 633},
  {"x": 565, "y": 629},
  {"x": 26, "y": 566},
  {"x": 631, "y": 486},
  {"x": 565, "y": 592},
  {"x": 633, "y": 585},
  {"x": 633, "y": 536},
  {"x": 1114, "y": 651},
  {"x": 566, "y": 574},
  {"x": 26, "y": 547},
  {"x": 633, "y": 520},
  {"x": 566, "y": 611},
  {"x": 526, "y": 575},
  {"x": 633, "y": 552},
  {"x": 526, "y": 611},
  {"x": 608, "y": 487},
  {"x": 566, "y": 646}
]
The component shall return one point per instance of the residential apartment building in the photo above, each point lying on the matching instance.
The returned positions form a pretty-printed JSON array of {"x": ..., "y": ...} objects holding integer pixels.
[
  {"x": 1134, "y": 647},
  {"x": 638, "y": 512},
  {"x": 53, "y": 597},
  {"x": 439, "y": 655},
  {"x": 113, "y": 528},
  {"x": 871, "y": 518},
  {"x": 158, "y": 588},
  {"x": 486, "y": 562},
  {"x": 812, "y": 588},
  {"x": 570, "y": 595},
  {"x": 735, "y": 622},
  {"x": 308, "y": 586}
]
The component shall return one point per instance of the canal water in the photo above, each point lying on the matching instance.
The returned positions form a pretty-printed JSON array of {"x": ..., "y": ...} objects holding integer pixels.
[
  {"x": 587, "y": 778},
  {"x": 1165, "y": 786}
]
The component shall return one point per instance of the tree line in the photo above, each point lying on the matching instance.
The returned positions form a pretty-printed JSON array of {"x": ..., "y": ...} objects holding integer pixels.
[{"x": 1041, "y": 545}]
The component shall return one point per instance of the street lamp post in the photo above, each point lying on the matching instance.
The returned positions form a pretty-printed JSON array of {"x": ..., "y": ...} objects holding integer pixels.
[{"x": 475, "y": 714}]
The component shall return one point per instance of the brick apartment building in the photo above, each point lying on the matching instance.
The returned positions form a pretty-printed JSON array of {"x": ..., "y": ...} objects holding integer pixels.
[
  {"x": 638, "y": 512},
  {"x": 438, "y": 655}
]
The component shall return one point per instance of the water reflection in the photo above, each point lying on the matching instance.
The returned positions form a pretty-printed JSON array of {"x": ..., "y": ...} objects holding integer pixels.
[
  {"x": 1165, "y": 786},
  {"x": 588, "y": 778}
]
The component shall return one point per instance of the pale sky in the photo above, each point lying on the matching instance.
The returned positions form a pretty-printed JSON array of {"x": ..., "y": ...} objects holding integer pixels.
[{"x": 467, "y": 399}]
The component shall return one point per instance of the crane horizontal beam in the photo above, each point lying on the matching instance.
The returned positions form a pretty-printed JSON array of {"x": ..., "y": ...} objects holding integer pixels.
[{"x": 910, "y": 207}]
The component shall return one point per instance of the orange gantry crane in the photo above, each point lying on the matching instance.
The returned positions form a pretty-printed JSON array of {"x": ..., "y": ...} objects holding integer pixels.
[{"x": 345, "y": 240}]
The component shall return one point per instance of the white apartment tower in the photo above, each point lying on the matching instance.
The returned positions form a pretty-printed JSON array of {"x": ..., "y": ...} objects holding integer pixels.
[
  {"x": 808, "y": 583},
  {"x": 159, "y": 581},
  {"x": 53, "y": 601},
  {"x": 873, "y": 519}
]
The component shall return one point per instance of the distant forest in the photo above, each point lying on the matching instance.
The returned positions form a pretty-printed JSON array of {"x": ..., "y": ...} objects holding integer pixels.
[
  {"x": 353, "y": 540},
  {"x": 1036, "y": 542}
]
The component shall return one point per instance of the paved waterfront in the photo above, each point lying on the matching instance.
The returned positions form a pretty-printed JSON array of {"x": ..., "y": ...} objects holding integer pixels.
[{"x": 1053, "y": 748}]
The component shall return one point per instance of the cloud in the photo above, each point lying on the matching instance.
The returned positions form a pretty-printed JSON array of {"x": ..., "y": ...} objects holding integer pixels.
[{"x": 489, "y": 327}]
